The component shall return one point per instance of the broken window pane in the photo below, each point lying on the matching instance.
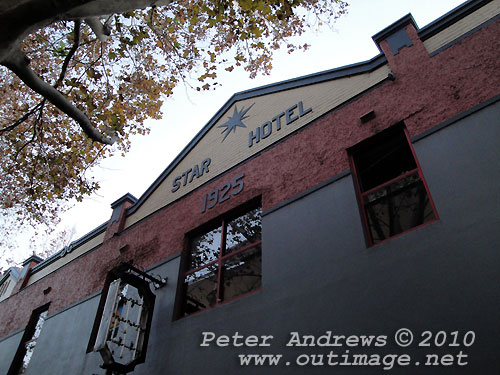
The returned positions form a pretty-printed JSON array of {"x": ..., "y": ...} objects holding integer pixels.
[
  {"x": 394, "y": 196},
  {"x": 31, "y": 343}
]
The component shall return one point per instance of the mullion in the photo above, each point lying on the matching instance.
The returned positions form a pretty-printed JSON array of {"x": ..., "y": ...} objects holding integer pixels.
[
  {"x": 194, "y": 270},
  {"x": 239, "y": 251},
  {"x": 219, "y": 269},
  {"x": 220, "y": 259},
  {"x": 390, "y": 182},
  {"x": 391, "y": 193}
]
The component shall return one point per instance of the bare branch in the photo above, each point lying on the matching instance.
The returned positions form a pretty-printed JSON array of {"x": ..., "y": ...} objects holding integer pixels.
[
  {"x": 33, "y": 138},
  {"x": 18, "y": 64},
  {"x": 72, "y": 51},
  {"x": 22, "y": 119}
]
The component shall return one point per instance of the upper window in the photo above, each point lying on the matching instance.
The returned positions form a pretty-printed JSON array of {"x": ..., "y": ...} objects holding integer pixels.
[
  {"x": 390, "y": 185},
  {"x": 223, "y": 263},
  {"x": 4, "y": 287}
]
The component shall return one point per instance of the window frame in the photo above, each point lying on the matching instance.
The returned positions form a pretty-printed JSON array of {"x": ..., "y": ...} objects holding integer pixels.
[
  {"x": 28, "y": 334},
  {"x": 220, "y": 221},
  {"x": 4, "y": 287},
  {"x": 360, "y": 195}
]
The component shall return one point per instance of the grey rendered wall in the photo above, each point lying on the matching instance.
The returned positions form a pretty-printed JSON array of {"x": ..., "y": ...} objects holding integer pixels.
[
  {"x": 8, "y": 348},
  {"x": 63, "y": 341},
  {"x": 61, "y": 346},
  {"x": 319, "y": 276}
]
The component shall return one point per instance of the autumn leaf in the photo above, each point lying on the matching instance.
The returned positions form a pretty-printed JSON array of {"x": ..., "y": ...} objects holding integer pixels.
[{"x": 118, "y": 82}]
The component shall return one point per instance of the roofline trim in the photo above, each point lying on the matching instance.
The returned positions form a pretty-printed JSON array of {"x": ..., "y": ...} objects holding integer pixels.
[
  {"x": 353, "y": 69},
  {"x": 315, "y": 78},
  {"x": 391, "y": 29},
  {"x": 125, "y": 198},
  {"x": 32, "y": 258},
  {"x": 67, "y": 249},
  {"x": 10, "y": 271},
  {"x": 450, "y": 18}
]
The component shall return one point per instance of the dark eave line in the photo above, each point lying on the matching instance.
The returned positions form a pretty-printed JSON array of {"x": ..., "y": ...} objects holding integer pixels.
[
  {"x": 450, "y": 18},
  {"x": 315, "y": 78},
  {"x": 358, "y": 68},
  {"x": 72, "y": 246}
]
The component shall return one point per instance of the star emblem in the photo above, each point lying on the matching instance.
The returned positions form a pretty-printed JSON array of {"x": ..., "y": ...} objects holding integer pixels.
[{"x": 234, "y": 121}]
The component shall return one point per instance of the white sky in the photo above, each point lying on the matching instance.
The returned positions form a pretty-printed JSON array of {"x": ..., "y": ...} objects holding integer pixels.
[{"x": 188, "y": 111}]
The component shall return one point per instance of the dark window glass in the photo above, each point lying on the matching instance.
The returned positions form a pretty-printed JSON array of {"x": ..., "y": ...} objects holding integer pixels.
[
  {"x": 223, "y": 263},
  {"x": 241, "y": 273},
  {"x": 390, "y": 182},
  {"x": 201, "y": 289},
  {"x": 386, "y": 157}
]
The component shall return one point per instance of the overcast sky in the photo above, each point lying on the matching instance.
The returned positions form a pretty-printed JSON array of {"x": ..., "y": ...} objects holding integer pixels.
[{"x": 188, "y": 111}]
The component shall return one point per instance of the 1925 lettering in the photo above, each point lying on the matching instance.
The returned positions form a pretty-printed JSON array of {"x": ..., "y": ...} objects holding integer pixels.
[{"x": 223, "y": 193}]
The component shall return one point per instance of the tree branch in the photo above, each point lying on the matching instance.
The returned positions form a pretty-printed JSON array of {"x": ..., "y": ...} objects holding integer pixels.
[
  {"x": 33, "y": 138},
  {"x": 64, "y": 68},
  {"x": 17, "y": 63},
  {"x": 101, "y": 31},
  {"x": 22, "y": 119},
  {"x": 72, "y": 51}
]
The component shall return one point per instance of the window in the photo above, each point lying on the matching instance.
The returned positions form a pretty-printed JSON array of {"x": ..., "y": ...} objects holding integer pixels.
[
  {"x": 28, "y": 341},
  {"x": 3, "y": 287},
  {"x": 391, "y": 187},
  {"x": 223, "y": 262}
]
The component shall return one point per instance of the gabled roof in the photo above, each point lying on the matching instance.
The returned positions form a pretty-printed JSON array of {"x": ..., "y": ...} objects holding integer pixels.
[
  {"x": 315, "y": 78},
  {"x": 327, "y": 75},
  {"x": 14, "y": 272}
]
